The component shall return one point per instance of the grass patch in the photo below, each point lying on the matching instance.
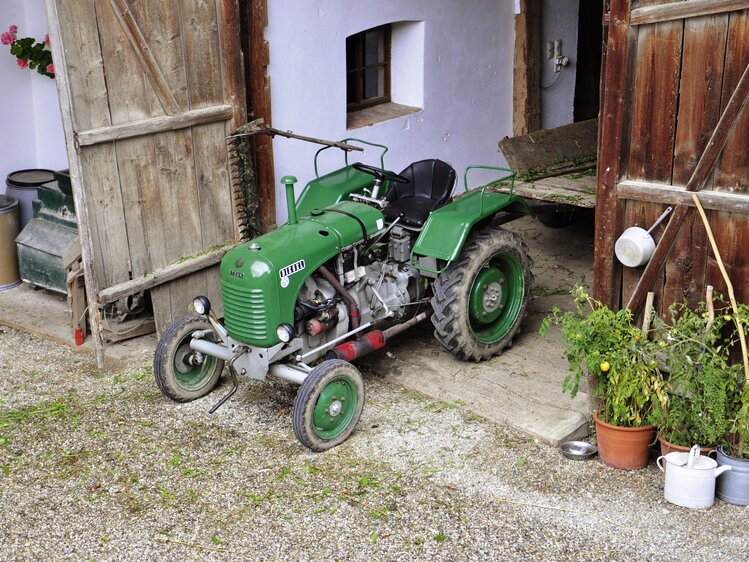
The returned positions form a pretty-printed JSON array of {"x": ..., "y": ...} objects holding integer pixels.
[{"x": 59, "y": 408}]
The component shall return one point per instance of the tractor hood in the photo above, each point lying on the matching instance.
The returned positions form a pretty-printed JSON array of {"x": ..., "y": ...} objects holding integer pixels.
[{"x": 261, "y": 279}]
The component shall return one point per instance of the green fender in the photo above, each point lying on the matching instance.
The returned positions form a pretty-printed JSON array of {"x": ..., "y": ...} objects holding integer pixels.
[{"x": 447, "y": 228}]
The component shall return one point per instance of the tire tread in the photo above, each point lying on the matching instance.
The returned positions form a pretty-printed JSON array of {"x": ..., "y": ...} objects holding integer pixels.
[{"x": 449, "y": 285}]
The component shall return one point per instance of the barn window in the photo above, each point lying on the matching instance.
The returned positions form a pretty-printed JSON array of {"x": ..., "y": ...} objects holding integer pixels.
[
  {"x": 368, "y": 68},
  {"x": 384, "y": 73}
]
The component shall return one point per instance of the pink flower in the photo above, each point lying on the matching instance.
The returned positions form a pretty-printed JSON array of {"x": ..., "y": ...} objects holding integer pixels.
[
  {"x": 46, "y": 40},
  {"x": 22, "y": 63},
  {"x": 50, "y": 68},
  {"x": 13, "y": 29},
  {"x": 7, "y": 38}
]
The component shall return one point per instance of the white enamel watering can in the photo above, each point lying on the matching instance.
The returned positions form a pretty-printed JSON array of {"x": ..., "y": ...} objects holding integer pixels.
[{"x": 690, "y": 478}]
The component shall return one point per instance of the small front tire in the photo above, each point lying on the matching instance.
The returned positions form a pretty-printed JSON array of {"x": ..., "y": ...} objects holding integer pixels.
[
  {"x": 328, "y": 405},
  {"x": 181, "y": 373}
]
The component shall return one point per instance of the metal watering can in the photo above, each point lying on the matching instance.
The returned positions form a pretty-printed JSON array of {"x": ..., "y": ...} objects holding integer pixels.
[{"x": 690, "y": 478}]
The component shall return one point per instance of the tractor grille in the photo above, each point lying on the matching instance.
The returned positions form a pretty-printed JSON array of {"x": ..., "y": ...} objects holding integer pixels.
[{"x": 245, "y": 314}]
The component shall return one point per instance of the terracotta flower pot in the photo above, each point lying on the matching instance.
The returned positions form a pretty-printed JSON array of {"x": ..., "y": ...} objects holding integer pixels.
[
  {"x": 667, "y": 447},
  {"x": 627, "y": 448}
]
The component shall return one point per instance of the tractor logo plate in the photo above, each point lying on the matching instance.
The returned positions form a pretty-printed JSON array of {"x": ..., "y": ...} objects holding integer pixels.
[{"x": 292, "y": 269}]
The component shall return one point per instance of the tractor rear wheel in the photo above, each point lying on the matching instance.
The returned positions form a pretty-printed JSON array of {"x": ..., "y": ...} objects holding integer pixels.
[
  {"x": 328, "y": 405},
  {"x": 181, "y": 373},
  {"x": 480, "y": 301}
]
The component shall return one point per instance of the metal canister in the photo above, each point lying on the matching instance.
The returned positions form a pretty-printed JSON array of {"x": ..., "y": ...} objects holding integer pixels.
[
  {"x": 9, "y": 228},
  {"x": 24, "y": 186}
]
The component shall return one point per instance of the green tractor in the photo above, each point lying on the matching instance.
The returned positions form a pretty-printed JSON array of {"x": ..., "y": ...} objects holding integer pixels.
[{"x": 366, "y": 254}]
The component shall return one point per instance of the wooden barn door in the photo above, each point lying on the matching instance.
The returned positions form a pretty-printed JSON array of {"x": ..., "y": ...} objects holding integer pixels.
[
  {"x": 149, "y": 90},
  {"x": 672, "y": 68}
]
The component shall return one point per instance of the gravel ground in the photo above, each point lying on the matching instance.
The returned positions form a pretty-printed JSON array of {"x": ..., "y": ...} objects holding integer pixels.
[{"x": 98, "y": 466}]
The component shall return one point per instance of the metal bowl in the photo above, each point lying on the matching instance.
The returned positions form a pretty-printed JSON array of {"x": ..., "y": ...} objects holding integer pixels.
[{"x": 578, "y": 450}]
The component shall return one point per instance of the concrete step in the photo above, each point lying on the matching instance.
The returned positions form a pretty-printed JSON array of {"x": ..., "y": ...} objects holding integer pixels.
[{"x": 521, "y": 388}]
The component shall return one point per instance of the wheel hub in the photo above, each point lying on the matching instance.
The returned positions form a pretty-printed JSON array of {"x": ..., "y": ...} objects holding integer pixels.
[
  {"x": 335, "y": 408},
  {"x": 492, "y": 297},
  {"x": 185, "y": 360},
  {"x": 488, "y": 296}
]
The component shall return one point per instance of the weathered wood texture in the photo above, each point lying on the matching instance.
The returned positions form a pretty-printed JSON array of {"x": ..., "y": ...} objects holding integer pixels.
[
  {"x": 663, "y": 139},
  {"x": 552, "y": 152},
  {"x": 677, "y": 194},
  {"x": 254, "y": 22},
  {"x": 612, "y": 143},
  {"x": 731, "y": 230},
  {"x": 681, "y": 9},
  {"x": 149, "y": 134},
  {"x": 526, "y": 106},
  {"x": 704, "y": 46},
  {"x": 652, "y": 127},
  {"x": 573, "y": 189}
]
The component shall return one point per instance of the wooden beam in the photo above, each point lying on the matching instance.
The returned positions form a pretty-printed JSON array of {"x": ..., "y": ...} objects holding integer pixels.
[
  {"x": 145, "y": 56},
  {"x": 155, "y": 125},
  {"x": 649, "y": 192},
  {"x": 79, "y": 193},
  {"x": 233, "y": 76},
  {"x": 254, "y": 21},
  {"x": 526, "y": 112},
  {"x": 704, "y": 166},
  {"x": 612, "y": 144},
  {"x": 685, "y": 9},
  {"x": 552, "y": 152},
  {"x": 163, "y": 275}
]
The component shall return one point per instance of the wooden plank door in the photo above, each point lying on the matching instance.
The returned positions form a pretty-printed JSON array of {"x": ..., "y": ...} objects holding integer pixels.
[
  {"x": 672, "y": 67},
  {"x": 149, "y": 90}
]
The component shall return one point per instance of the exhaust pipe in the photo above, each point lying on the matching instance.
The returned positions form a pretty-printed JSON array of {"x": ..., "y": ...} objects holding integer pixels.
[
  {"x": 371, "y": 341},
  {"x": 350, "y": 350}
]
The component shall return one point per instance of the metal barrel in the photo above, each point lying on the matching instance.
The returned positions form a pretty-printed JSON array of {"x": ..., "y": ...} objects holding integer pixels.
[{"x": 9, "y": 229}]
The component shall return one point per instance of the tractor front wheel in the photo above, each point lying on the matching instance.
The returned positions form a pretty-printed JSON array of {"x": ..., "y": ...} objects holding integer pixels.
[
  {"x": 480, "y": 301},
  {"x": 328, "y": 405},
  {"x": 181, "y": 373}
]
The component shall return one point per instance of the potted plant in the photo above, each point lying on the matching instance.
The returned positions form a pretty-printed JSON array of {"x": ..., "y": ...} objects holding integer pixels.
[
  {"x": 701, "y": 382},
  {"x": 733, "y": 486},
  {"x": 29, "y": 53},
  {"x": 625, "y": 376}
]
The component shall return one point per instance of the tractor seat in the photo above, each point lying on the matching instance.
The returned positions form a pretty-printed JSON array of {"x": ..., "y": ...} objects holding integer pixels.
[{"x": 430, "y": 185}]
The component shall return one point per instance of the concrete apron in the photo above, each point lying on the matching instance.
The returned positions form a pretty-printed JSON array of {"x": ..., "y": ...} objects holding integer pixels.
[{"x": 522, "y": 387}]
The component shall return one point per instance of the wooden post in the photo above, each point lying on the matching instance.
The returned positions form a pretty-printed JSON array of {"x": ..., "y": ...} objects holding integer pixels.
[
  {"x": 612, "y": 133},
  {"x": 254, "y": 21},
  {"x": 526, "y": 111},
  {"x": 79, "y": 193}
]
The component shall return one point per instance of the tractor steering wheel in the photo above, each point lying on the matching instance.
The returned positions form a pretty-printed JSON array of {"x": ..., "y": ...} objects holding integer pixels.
[{"x": 380, "y": 174}]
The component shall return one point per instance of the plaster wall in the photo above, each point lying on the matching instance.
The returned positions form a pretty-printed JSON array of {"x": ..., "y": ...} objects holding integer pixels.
[
  {"x": 467, "y": 82},
  {"x": 32, "y": 134},
  {"x": 17, "y": 144},
  {"x": 560, "y": 21}
]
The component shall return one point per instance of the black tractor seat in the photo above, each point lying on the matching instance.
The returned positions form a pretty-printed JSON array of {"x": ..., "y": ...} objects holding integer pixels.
[{"x": 429, "y": 187}]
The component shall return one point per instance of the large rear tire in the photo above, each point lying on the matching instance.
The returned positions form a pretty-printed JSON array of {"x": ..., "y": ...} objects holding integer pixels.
[
  {"x": 181, "y": 373},
  {"x": 480, "y": 301},
  {"x": 328, "y": 405}
]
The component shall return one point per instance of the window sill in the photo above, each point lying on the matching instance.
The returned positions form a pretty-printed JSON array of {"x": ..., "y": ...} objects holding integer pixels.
[{"x": 377, "y": 114}]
